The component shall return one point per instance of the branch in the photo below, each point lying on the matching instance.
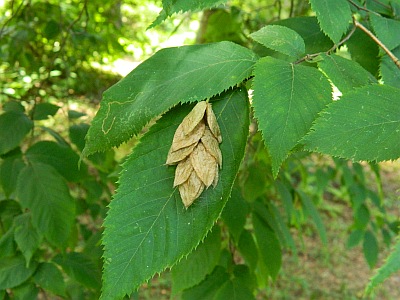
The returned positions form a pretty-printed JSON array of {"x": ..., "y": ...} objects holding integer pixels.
[
  {"x": 376, "y": 40},
  {"x": 12, "y": 16}
]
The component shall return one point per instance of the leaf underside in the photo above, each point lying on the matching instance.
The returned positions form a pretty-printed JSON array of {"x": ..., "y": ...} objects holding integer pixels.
[
  {"x": 172, "y": 75},
  {"x": 363, "y": 125},
  {"x": 147, "y": 228}
]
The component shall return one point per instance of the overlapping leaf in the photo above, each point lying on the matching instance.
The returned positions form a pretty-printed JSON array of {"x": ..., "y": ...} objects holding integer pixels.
[
  {"x": 387, "y": 30},
  {"x": 287, "y": 99},
  {"x": 344, "y": 73},
  {"x": 172, "y": 75},
  {"x": 363, "y": 125},
  {"x": 281, "y": 39},
  {"x": 147, "y": 228},
  {"x": 333, "y": 17}
]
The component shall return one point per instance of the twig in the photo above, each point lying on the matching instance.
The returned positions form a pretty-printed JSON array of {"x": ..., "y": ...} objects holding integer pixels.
[
  {"x": 362, "y": 7},
  {"x": 376, "y": 40},
  {"x": 345, "y": 39}
]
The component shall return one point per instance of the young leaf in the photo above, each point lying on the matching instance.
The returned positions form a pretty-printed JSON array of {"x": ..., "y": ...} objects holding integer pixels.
[
  {"x": 81, "y": 268},
  {"x": 363, "y": 125},
  {"x": 43, "y": 191},
  {"x": 147, "y": 227},
  {"x": 26, "y": 236},
  {"x": 201, "y": 262},
  {"x": 268, "y": 245},
  {"x": 345, "y": 74},
  {"x": 13, "y": 271},
  {"x": 287, "y": 99},
  {"x": 281, "y": 39},
  {"x": 18, "y": 125},
  {"x": 391, "y": 266},
  {"x": 370, "y": 248},
  {"x": 49, "y": 277},
  {"x": 333, "y": 17},
  {"x": 172, "y": 75}
]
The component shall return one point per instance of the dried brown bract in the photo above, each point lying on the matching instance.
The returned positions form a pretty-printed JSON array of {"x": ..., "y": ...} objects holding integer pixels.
[{"x": 195, "y": 150}]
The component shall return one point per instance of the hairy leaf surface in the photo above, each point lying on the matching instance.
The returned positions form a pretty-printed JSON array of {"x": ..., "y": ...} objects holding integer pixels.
[
  {"x": 287, "y": 99},
  {"x": 147, "y": 227},
  {"x": 363, "y": 125},
  {"x": 333, "y": 17},
  {"x": 172, "y": 75}
]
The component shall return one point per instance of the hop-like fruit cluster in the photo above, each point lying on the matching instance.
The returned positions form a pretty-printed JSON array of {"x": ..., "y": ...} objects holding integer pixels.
[{"x": 195, "y": 151}]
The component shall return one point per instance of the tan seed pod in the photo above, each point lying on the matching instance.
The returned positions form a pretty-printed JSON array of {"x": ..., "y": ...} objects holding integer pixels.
[
  {"x": 194, "y": 117},
  {"x": 183, "y": 171},
  {"x": 175, "y": 157},
  {"x": 211, "y": 144},
  {"x": 216, "y": 178},
  {"x": 182, "y": 140},
  {"x": 213, "y": 123},
  {"x": 204, "y": 164},
  {"x": 191, "y": 189}
]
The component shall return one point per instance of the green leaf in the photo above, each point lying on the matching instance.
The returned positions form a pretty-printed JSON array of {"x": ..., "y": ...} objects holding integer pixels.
[
  {"x": 370, "y": 248},
  {"x": 42, "y": 111},
  {"x": 147, "y": 227},
  {"x": 361, "y": 217},
  {"x": 26, "y": 291},
  {"x": 60, "y": 157},
  {"x": 7, "y": 244},
  {"x": 333, "y": 17},
  {"x": 312, "y": 211},
  {"x": 81, "y": 268},
  {"x": 364, "y": 51},
  {"x": 315, "y": 40},
  {"x": 363, "y": 125},
  {"x": 13, "y": 106},
  {"x": 8, "y": 210},
  {"x": 172, "y": 75},
  {"x": 16, "y": 125},
  {"x": 268, "y": 245},
  {"x": 392, "y": 265},
  {"x": 26, "y": 236},
  {"x": 207, "y": 289},
  {"x": 355, "y": 238},
  {"x": 9, "y": 171},
  {"x": 44, "y": 192},
  {"x": 198, "y": 264},
  {"x": 281, "y": 39},
  {"x": 235, "y": 213},
  {"x": 49, "y": 277},
  {"x": 171, "y": 7},
  {"x": 287, "y": 99},
  {"x": 387, "y": 30},
  {"x": 345, "y": 74},
  {"x": 233, "y": 290},
  {"x": 13, "y": 271},
  {"x": 390, "y": 73},
  {"x": 73, "y": 114},
  {"x": 256, "y": 182},
  {"x": 77, "y": 133},
  {"x": 248, "y": 249}
]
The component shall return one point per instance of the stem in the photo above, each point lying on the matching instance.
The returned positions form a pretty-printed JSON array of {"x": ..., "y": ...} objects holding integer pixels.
[{"x": 376, "y": 40}]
